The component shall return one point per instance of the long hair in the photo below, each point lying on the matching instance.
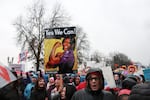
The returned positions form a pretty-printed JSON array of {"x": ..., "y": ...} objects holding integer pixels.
[
  {"x": 72, "y": 41},
  {"x": 37, "y": 83}
]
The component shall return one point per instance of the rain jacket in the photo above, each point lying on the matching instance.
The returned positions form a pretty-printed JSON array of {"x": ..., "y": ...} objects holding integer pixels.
[
  {"x": 88, "y": 94},
  {"x": 27, "y": 91}
]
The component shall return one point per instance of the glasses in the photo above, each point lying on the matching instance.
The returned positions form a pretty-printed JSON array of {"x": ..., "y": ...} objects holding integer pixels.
[{"x": 94, "y": 78}]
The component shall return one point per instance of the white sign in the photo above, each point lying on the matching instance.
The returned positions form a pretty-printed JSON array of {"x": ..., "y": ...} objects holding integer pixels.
[{"x": 108, "y": 76}]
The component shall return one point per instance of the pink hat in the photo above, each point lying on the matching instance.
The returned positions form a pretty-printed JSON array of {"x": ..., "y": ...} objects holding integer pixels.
[
  {"x": 51, "y": 78},
  {"x": 124, "y": 91}
]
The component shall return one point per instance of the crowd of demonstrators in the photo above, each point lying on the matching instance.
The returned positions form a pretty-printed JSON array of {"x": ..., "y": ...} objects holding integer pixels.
[
  {"x": 127, "y": 82},
  {"x": 90, "y": 86}
]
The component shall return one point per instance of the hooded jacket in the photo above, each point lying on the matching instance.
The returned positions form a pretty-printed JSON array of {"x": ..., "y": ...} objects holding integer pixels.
[
  {"x": 140, "y": 92},
  {"x": 88, "y": 94}
]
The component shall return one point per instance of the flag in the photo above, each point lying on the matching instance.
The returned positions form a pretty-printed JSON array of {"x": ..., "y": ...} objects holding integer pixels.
[{"x": 22, "y": 56}]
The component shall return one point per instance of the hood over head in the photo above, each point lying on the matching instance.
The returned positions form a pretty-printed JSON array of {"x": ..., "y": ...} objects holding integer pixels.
[{"x": 96, "y": 71}]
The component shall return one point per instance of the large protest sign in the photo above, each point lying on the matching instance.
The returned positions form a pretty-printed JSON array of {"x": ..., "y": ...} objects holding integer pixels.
[{"x": 60, "y": 50}]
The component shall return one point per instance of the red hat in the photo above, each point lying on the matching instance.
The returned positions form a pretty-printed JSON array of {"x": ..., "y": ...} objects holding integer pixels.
[
  {"x": 95, "y": 73},
  {"x": 124, "y": 91}
]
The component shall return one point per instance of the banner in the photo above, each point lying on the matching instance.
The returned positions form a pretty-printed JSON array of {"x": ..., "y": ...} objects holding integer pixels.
[
  {"x": 17, "y": 67},
  {"x": 22, "y": 56},
  {"x": 60, "y": 50}
]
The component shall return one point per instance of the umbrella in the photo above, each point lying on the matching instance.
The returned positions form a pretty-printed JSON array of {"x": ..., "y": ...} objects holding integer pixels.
[{"x": 6, "y": 76}]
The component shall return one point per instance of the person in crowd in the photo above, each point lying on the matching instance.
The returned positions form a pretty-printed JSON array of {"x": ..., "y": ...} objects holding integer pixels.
[
  {"x": 46, "y": 77},
  {"x": 57, "y": 76},
  {"x": 138, "y": 77},
  {"x": 81, "y": 86},
  {"x": 56, "y": 92},
  {"x": 132, "y": 69},
  {"x": 124, "y": 94},
  {"x": 70, "y": 88},
  {"x": 50, "y": 83},
  {"x": 29, "y": 87},
  {"x": 127, "y": 85},
  {"x": 63, "y": 89},
  {"x": 94, "y": 87},
  {"x": 140, "y": 92},
  {"x": 39, "y": 92},
  {"x": 64, "y": 60},
  {"x": 77, "y": 81},
  {"x": 39, "y": 73},
  {"x": 71, "y": 79},
  {"x": 27, "y": 79},
  {"x": 117, "y": 79}
]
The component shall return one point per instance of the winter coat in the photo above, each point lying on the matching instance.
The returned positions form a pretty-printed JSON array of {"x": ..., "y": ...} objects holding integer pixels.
[
  {"x": 85, "y": 94},
  {"x": 140, "y": 92},
  {"x": 88, "y": 94},
  {"x": 27, "y": 91},
  {"x": 39, "y": 94}
]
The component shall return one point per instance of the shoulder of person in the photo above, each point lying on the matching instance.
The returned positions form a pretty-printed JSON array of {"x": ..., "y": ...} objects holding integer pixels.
[
  {"x": 108, "y": 95},
  {"x": 143, "y": 89},
  {"x": 80, "y": 92},
  {"x": 106, "y": 92}
]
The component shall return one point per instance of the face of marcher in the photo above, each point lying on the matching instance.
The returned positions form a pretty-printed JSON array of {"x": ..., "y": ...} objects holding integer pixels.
[
  {"x": 95, "y": 82},
  {"x": 66, "y": 44},
  {"x": 57, "y": 82},
  {"x": 63, "y": 93},
  {"x": 41, "y": 83},
  {"x": 51, "y": 80},
  {"x": 34, "y": 80},
  {"x": 77, "y": 80},
  {"x": 116, "y": 77},
  {"x": 132, "y": 70}
]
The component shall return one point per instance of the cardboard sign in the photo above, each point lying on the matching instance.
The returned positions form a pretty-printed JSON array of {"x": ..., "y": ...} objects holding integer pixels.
[{"x": 108, "y": 76}]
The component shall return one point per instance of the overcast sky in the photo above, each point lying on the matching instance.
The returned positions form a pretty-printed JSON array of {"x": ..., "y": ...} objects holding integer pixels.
[{"x": 112, "y": 25}]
